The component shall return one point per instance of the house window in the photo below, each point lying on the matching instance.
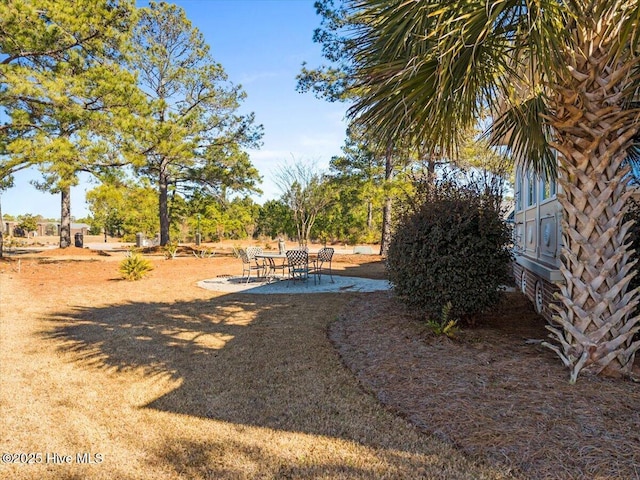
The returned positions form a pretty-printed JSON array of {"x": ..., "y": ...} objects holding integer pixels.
[
  {"x": 531, "y": 190},
  {"x": 548, "y": 189},
  {"x": 518, "y": 193}
]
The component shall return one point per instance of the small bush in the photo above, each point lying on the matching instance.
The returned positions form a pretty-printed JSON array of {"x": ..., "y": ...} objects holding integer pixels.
[
  {"x": 171, "y": 251},
  {"x": 445, "y": 325},
  {"x": 633, "y": 214},
  {"x": 452, "y": 248},
  {"x": 204, "y": 253},
  {"x": 135, "y": 267}
]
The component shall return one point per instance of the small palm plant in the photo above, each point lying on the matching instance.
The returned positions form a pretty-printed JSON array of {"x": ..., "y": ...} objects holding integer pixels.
[
  {"x": 171, "y": 251},
  {"x": 204, "y": 253},
  {"x": 444, "y": 325},
  {"x": 135, "y": 267}
]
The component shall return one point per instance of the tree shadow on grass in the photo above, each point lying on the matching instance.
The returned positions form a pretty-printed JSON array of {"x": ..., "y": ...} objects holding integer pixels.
[
  {"x": 194, "y": 460},
  {"x": 262, "y": 362},
  {"x": 254, "y": 361}
]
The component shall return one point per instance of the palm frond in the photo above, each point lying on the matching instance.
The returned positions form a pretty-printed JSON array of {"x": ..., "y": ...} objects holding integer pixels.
[
  {"x": 521, "y": 129},
  {"x": 427, "y": 70},
  {"x": 628, "y": 18}
]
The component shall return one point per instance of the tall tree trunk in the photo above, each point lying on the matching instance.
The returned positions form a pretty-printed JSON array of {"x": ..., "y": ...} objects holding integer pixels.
[
  {"x": 311, "y": 219},
  {"x": 163, "y": 202},
  {"x": 386, "y": 226},
  {"x": 304, "y": 223},
  {"x": 65, "y": 217},
  {"x": 595, "y": 326},
  {"x": 431, "y": 172},
  {"x": 385, "y": 238},
  {"x": 299, "y": 226},
  {"x": 369, "y": 215}
]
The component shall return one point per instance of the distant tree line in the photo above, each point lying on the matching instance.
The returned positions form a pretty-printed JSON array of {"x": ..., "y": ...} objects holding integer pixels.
[{"x": 133, "y": 97}]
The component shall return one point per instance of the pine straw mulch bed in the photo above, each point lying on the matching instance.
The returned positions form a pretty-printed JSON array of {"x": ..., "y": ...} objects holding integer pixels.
[{"x": 492, "y": 394}]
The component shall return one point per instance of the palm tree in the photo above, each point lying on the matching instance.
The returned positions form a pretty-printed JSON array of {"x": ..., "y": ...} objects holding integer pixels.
[{"x": 558, "y": 75}]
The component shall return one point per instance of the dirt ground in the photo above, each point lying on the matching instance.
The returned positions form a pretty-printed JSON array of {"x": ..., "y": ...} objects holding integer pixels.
[{"x": 167, "y": 380}]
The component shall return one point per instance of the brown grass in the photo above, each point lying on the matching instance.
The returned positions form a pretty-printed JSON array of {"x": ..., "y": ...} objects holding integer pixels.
[{"x": 167, "y": 380}]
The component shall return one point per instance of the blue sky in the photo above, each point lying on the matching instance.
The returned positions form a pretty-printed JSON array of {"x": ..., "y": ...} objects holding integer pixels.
[{"x": 261, "y": 44}]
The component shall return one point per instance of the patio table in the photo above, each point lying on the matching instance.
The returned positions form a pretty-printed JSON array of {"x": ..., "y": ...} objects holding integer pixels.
[{"x": 269, "y": 259}]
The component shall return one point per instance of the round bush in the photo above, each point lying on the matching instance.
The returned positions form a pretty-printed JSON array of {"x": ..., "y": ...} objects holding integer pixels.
[
  {"x": 135, "y": 267},
  {"x": 453, "y": 248}
]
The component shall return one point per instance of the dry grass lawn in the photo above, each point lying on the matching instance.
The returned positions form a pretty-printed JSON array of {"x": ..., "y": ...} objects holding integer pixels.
[{"x": 165, "y": 380}]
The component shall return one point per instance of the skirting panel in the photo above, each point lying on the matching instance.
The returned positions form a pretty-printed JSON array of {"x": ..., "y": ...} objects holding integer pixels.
[{"x": 539, "y": 290}]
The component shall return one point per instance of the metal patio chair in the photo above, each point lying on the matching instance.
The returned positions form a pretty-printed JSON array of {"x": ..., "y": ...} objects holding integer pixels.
[
  {"x": 323, "y": 262},
  {"x": 251, "y": 253},
  {"x": 249, "y": 265},
  {"x": 298, "y": 262}
]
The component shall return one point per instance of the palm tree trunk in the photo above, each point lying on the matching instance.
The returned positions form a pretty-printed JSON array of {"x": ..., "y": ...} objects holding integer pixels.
[{"x": 595, "y": 326}]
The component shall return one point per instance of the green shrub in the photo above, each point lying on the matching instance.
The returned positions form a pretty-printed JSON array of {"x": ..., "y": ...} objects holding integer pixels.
[
  {"x": 135, "y": 267},
  {"x": 445, "y": 325},
  {"x": 171, "y": 250},
  {"x": 204, "y": 252},
  {"x": 453, "y": 247},
  {"x": 633, "y": 214}
]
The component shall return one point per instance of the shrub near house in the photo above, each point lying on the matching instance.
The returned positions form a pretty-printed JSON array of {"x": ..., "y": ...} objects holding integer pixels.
[{"x": 454, "y": 248}]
